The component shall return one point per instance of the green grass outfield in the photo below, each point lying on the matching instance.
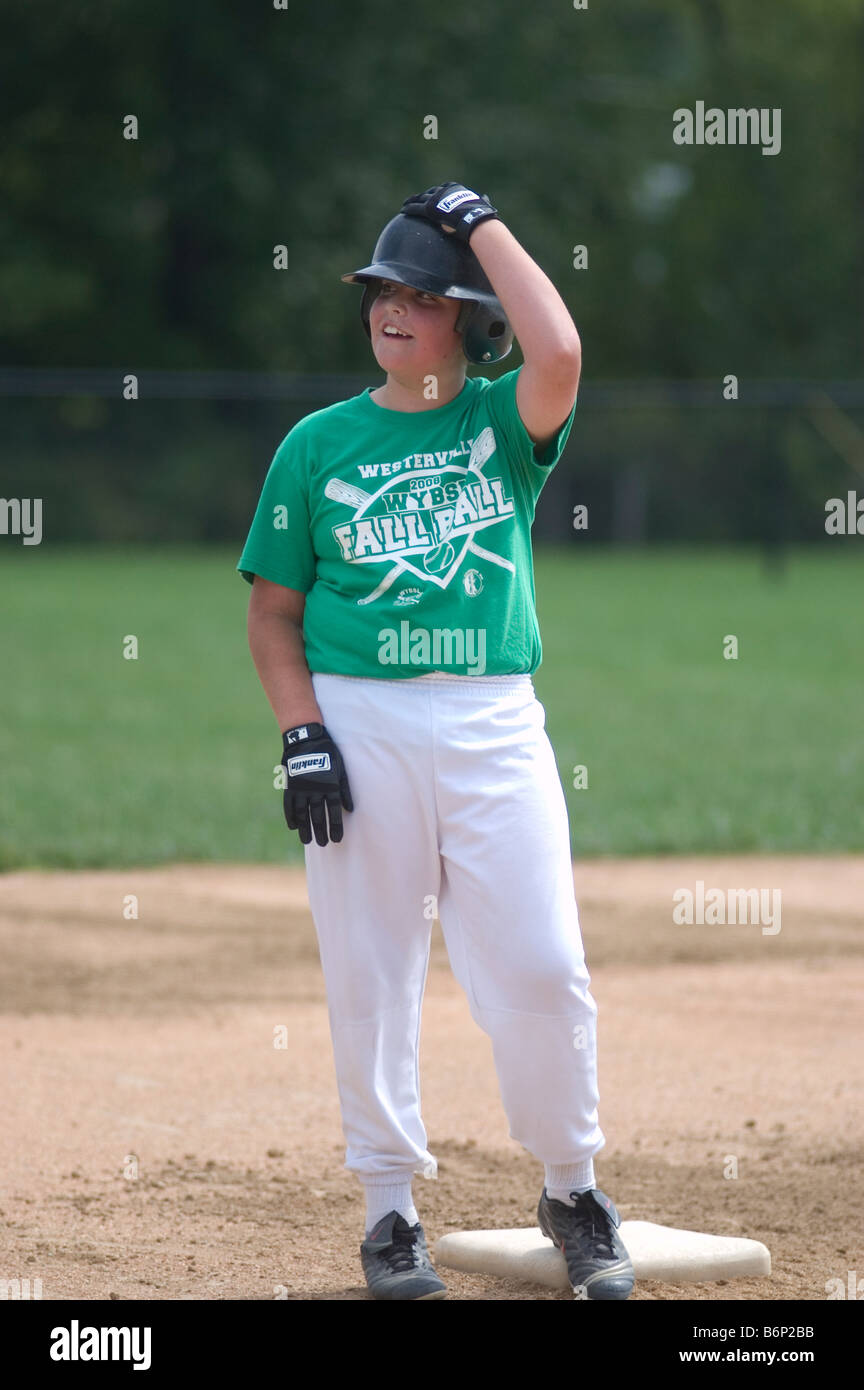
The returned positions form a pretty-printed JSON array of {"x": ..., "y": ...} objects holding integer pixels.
[{"x": 108, "y": 762}]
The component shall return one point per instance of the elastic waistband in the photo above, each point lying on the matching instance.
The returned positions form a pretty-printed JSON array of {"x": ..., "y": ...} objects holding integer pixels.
[{"x": 511, "y": 684}]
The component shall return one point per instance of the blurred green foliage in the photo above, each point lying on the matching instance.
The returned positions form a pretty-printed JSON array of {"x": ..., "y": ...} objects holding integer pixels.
[{"x": 304, "y": 127}]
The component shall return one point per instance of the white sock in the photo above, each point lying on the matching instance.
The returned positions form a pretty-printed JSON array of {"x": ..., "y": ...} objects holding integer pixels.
[
  {"x": 382, "y": 1198},
  {"x": 562, "y": 1179}
]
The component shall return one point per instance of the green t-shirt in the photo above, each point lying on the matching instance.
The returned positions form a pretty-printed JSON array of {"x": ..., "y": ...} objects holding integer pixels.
[{"x": 409, "y": 533}]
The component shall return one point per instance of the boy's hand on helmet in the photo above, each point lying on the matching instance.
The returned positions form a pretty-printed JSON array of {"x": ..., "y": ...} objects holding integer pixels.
[
  {"x": 452, "y": 207},
  {"x": 316, "y": 785}
]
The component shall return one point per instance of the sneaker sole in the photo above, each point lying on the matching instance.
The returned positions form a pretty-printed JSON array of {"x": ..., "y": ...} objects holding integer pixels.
[
  {"x": 401, "y": 1293},
  {"x": 414, "y": 1298},
  {"x": 622, "y": 1271}
]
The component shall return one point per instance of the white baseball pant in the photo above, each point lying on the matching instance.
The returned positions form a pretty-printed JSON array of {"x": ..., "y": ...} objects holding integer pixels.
[{"x": 457, "y": 798}]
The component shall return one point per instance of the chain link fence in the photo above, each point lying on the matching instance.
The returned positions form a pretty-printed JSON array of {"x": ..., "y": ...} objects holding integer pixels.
[{"x": 650, "y": 462}]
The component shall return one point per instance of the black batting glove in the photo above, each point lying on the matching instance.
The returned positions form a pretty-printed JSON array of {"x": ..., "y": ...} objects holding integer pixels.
[
  {"x": 452, "y": 207},
  {"x": 316, "y": 785}
]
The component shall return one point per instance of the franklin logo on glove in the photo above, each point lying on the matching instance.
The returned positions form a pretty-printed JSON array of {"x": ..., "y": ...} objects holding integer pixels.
[
  {"x": 451, "y": 206},
  {"x": 313, "y": 762},
  {"x": 454, "y": 200}
]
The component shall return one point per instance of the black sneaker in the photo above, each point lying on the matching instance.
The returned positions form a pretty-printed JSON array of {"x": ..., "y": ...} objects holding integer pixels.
[
  {"x": 396, "y": 1261},
  {"x": 598, "y": 1265}
]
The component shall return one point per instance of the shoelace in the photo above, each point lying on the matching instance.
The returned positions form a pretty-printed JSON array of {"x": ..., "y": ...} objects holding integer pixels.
[
  {"x": 594, "y": 1224},
  {"x": 401, "y": 1255}
]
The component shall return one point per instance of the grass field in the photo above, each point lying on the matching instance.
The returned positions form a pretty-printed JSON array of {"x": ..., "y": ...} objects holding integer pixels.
[{"x": 107, "y": 761}]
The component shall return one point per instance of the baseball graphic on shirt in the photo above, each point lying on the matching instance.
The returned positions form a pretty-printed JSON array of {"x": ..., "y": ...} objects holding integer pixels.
[{"x": 441, "y": 558}]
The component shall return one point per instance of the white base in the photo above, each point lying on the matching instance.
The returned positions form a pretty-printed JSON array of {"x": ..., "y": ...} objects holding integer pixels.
[{"x": 657, "y": 1252}]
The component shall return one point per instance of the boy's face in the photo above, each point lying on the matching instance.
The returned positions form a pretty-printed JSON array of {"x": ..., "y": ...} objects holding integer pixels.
[{"x": 426, "y": 319}]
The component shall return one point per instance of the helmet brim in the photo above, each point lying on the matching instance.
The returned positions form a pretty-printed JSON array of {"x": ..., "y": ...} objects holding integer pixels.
[{"x": 414, "y": 277}]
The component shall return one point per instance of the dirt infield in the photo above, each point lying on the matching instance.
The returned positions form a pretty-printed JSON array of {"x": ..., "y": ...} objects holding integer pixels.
[{"x": 157, "y": 1145}]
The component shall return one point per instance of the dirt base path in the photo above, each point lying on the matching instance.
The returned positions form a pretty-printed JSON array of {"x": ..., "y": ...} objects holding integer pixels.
[{"x": 157, "y": 1145}]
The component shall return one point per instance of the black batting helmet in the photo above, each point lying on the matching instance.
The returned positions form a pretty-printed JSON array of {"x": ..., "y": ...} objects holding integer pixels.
[{"x": 415, "y": 252}]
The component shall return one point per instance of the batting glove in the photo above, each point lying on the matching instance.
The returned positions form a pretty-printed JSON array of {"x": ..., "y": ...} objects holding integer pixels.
[
  {"x": 315, "y": 779},
  {"x": 452, "y": 207}
]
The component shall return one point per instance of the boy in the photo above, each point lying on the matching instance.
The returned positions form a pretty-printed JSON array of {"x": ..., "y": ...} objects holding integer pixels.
[{"x": 416, "y": 499}]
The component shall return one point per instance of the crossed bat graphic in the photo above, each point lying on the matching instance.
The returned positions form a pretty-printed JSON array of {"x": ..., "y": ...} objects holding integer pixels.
[{"x": 482, "y": 450}]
